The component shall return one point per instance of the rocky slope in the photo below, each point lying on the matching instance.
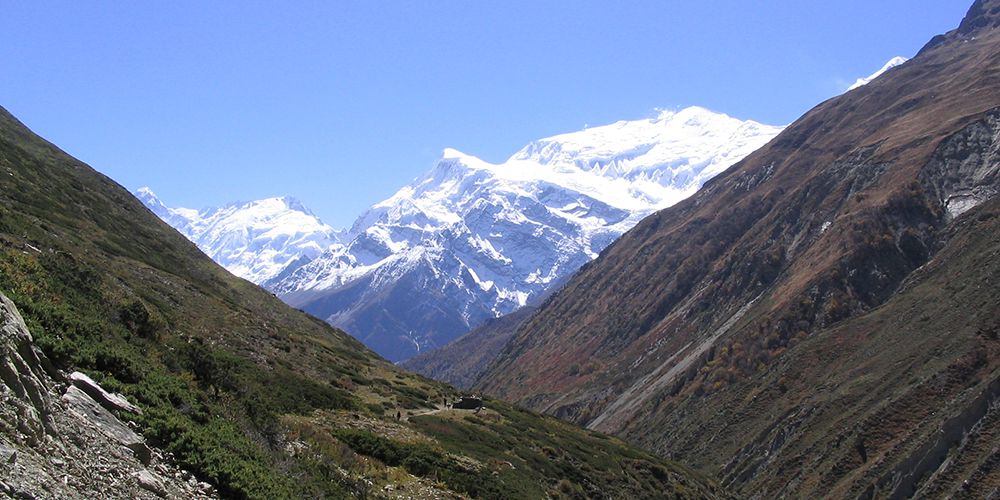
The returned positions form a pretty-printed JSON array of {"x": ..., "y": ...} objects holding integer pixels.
[
  {"x": 470, "y": 241},
  {"x": 253, "y": 240},
  {"x": 817, "y": 320},
  {"x": 57, "y": 441},
  {"x": 247, "y": 394}
]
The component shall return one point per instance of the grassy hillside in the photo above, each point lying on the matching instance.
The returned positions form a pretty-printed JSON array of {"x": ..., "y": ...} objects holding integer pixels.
[{"x": 257, "y": 398}]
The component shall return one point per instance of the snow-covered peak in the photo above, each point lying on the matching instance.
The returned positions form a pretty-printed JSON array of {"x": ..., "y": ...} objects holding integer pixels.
[
  {"x": 180, "y": 218},
  {"x": 454, "y": 154},
  {"x": 255, "y": 240},
  {"x": 637, "y": 166},
  {"x": 471, "y": 239},
  {"x": 145, "y": 193},
  {"x": 672, "y": 140},
  {"x": 861, "y": 82},
  {"x": 149, "y": 198}
]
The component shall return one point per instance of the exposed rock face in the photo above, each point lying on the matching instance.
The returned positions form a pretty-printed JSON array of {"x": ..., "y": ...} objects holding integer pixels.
[
  {"x": 71, "y": 446},
  {"x": 25, "y": 384},
  {"x": 88, "y": 409},
  {"x": 105, "y": 398},
  {"x": 965, "y": 170}
]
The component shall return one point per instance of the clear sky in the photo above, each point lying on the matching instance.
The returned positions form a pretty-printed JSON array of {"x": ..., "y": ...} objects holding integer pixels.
[{"x": 340, "y": 103}]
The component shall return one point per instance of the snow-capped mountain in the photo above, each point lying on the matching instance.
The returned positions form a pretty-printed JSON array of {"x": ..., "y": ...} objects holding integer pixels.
[
  {"x": 861, "y": 82},
  {"x": 255, "y": 240},
  {"x": 471, "y": 240}
]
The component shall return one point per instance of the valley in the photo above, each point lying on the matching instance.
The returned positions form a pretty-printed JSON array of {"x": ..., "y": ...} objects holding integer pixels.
[
  {"x": 687, "y": 305},
  {"x": 234, "y": 389}
]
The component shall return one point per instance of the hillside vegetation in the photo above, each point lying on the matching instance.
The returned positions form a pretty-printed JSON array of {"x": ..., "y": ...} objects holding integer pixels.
[{"x": 257, "y": 398}]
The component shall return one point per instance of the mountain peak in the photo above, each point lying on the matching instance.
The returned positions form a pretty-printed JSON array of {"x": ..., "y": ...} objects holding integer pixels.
[
  {"x": 255, "y": 240},
  {"x": 452, "y": 154},
  {"x": 861, "y": 82},
  {"x": 672, "y": 150},
  {"x": 470, "y": 240},
  {"x": 293, "y": 203},
  {"x": 691, "y": 112},
  {"x": 664, "y": 114},
  {"x": 147, "y": 196}
]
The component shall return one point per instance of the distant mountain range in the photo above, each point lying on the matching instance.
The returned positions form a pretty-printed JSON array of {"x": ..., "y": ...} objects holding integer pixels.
[
  {"x": 470, "y": 240},
  {"x": 254, "y": 240}
]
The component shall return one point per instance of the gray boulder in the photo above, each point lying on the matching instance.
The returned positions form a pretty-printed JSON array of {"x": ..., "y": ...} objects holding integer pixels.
[
  {"x": 84, "y": 406},
  {"x": 110, "y": 401}
]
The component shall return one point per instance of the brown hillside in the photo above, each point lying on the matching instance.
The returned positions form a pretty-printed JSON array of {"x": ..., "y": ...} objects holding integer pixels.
[{"x": 674, "y": 334}]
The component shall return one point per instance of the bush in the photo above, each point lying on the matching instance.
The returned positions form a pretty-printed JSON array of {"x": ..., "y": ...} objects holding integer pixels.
[{"x": 141, "y": 319}]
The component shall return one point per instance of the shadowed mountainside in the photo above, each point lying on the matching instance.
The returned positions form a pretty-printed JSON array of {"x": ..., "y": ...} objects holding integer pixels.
[{"x": 463, "y": 360}]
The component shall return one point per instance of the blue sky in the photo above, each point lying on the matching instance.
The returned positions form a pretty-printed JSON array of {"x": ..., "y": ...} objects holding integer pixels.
[{"x": 340, "y": 103}]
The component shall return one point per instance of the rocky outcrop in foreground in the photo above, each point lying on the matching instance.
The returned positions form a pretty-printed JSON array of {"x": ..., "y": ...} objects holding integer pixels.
[{"x": 60, "y": 437}]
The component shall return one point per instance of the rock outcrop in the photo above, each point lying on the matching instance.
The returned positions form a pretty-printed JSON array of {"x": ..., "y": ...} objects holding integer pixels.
[
  {"x": 59, "y": 437},
  {"x": 26, "y": 408}
]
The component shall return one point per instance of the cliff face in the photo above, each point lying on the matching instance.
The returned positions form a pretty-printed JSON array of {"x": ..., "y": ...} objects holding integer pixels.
[{"x": 717, "y": 329}]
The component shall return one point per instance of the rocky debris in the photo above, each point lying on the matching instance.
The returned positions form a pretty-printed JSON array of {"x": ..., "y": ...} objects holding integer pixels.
[
  {"x": 81, "y": 404},
  {"x": 148, "y": 481},
  {"x": 417, "y": 488},
  {"x": 110, "y": 401},
  {"x": 69, "y": 445}
]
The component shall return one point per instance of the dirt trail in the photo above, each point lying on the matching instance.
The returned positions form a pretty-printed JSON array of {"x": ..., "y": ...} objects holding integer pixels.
[{"x": 413, "y": 413}]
